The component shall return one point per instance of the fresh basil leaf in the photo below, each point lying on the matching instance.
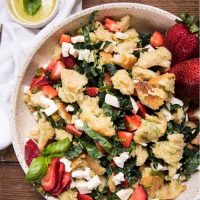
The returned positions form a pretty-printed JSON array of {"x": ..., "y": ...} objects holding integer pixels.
[
  {"x": 74, "y": 152},
  {"x": 97, "y": 137},
  {"x": 32, "y": 6},
  {"x": 90, "y": 147},
  {"x": 37, "y": 169},
  {"x": 57, "y": 149}
]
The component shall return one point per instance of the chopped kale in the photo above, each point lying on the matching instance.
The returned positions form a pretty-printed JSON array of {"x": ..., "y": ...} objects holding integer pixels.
[
  {"x": 109, "y": 68},
  {"x": 144, "y": 39}
]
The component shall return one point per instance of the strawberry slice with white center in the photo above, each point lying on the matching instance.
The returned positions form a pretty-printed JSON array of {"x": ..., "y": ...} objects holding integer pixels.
[
  {"x": 31, "y": 151},
  {"x": 49, "y": 91},
  {"x": 132, "y": 122},
  {"x": 126, "y": 137},
  {"x": 71, "y": 129},
  {"x": 49, "y": 181},
  {"x": 139, "y": 194},
  {"x": 56, "y": 72}
]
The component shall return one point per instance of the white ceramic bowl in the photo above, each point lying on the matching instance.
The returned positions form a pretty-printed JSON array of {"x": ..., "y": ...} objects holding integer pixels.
[
  {"x": 144, "y": 18},
  {"x": 34, "y": 25}
]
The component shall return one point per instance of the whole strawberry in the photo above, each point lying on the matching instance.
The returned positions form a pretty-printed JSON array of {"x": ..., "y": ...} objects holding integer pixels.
[
  {"x": 187, "y": 79},
  {"x": 182, "y": 39}
]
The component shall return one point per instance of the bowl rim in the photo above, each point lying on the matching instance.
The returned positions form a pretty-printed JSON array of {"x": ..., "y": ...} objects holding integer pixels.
[
  {"x": 34, "y": 25},
  {"x": 44, "y": 35}
]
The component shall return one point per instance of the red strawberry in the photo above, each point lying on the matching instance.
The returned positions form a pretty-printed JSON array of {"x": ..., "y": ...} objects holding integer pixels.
[
  {"x": 187, "y": 78},
  {"x": 126, "y": 136},
  {"x": 49, "y": 181},
  {"x": 68, "y": 61},
  {"x": 182, "y": 41},
  {"x": 111, "y": 25},
  {"x": 65, "y": 38},
  {"x": 51, "y": 65},
  {"x": 142, "y": 109},
  {"x": 56, "y": 72},
  {"x": 38, "y": 82},
  {"x": 31, "y": 151},
  {"x": 49, "y": 91},
  {"x": 107, "y": 79},
  {"x": 92, "y": 91},
  {"x": 132, "y": 122},
  {"x": 71, "y": 129},
  {"x": 125, "y": 184},
  {"x": 84, "y": 197},
  {"x": 61, "y": 171},
  {"x": 139, "y": 194},
  {"x": 157, "y": 40}
]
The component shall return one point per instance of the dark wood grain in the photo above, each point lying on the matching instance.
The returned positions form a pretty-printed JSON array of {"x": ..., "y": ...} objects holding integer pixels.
[{"x": 12, "y": 184}]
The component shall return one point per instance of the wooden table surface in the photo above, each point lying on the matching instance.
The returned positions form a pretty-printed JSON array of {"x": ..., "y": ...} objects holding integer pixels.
[{"x": 12, "y": 184}]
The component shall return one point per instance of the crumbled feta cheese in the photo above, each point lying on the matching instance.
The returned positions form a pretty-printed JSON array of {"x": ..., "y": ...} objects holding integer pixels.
[
  {"x": 149, "y": 47},
  {"x": 135, "y": 81},
  {"x": 167, "y": 114},
  {"x": 82, "y": 174},
  {"x": 67, "y": 164},
  {"x": 124, "y": 194},
  {"x": 73, "y": 184},
  {"x": 82, "y": 187},
  {"x": 35, "y": 115},
  {"x": 121, "y": 36},
  {"x": 50, "y": 105},
  {"x": 159, "y": 167},
  {"x": 135, "y": 106},
  {"x": 118, "y": 178},
  {"x": 26, "y": 89},
  {"x": 65, "y": 49},
  {"x": 144, "y": 144},
  {"x": 69, "y": 108},
  {"x": 112, "y": 100},
  {"x": 87, "y": 55},
  {"x": 176, "y": 101},
  {"x": 78, "y": 124},
  {"x": 76, "y": 39},
  {"x": 91, "y": 58},
  {"x": 94, "y": 182},
  {"x": 176, "y": 176},
  {"x": 121, "y": 159},
  {"x": 73, "y": 52}
]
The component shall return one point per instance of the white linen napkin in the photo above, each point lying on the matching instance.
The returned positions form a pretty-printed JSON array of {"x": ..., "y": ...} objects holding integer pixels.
[{"x": 16, "y": 42}]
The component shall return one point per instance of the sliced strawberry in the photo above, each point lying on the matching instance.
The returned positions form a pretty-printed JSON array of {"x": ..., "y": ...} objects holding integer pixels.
[
  {"x": 59, "y": 178},
  {"x": 100, "y": 148},
  {"x": 126, "y": 136},
  {"x": 51, "y": 65},
  {"x": 84, "y": 197},
  {"x": 49, "y": 181},
  {"x": 49, "y": 91},
  {"x": 125, "y": 184},
  {"x": 56, "y": 72},
  {"x": 31, "y": 151},
  {"x": 68, "y": 61},
  {"x": 139, "y": 194},
  {"x": 65, "y": 38},
  {"x": 92, "y": 91},
  {"x": 111, "y": 25},
  {"x": 107, "y": 79},
  {"x": 142, "y": 109},
  {"x": 157, "y": 40},
  {"x": 65, "y": 184},
  {"x": 132, "y": 122},
  {"x": 38, "y": 82},
  {"x": 71, "y": 129}
]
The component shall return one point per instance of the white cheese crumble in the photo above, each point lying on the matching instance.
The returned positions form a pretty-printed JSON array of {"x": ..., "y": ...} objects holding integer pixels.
[
  {"x": 87, "y": 55},
  {"x": 76, "y": 39},
  {"x": 82, "y": 174},
  {"x": 135, "y": 106},
  {"x": 78, "y": 124},
  {"x": 82, "y": 187},
  {"x": 144, "y": 144},
  {"x": 121, "y": 36},
  {"x": 176, "y": 101},
  {"x": 121, "y": 159},
  {"x": 118, "y": 178},
  {"x": 26, "y": 89},
  {"x": 68, "y": 48},
  {"x": 67, "y": 164},
  {"x": 69, "y": 108},
  {"x": 94, "y": 182},
  {"x": 50, "y": 105},
  {"x": 35, "y": 115},
  {"x": 112, "y": 100},
  {"x": 124, "y": 194},
  {"x": 167, "y": 114}
]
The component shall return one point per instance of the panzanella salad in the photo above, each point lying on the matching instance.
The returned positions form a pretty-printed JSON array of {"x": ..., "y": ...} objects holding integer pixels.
[{"x": 109, "y": 124}]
